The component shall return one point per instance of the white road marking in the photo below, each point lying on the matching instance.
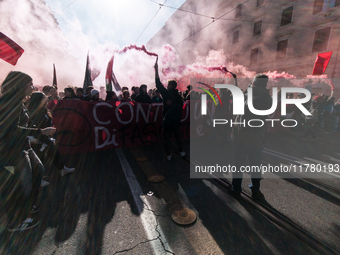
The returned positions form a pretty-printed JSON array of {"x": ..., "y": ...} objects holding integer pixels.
[{"x": 148, "y": 219}]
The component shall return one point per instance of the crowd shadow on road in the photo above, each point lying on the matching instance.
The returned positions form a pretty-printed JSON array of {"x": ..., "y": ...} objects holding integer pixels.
[
  {"x": 234, "y": 225},
  {"x": 95, "y": 188}
]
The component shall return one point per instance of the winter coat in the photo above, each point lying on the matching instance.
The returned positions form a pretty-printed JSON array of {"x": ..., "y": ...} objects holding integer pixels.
[{"x": 172, "y": 105}]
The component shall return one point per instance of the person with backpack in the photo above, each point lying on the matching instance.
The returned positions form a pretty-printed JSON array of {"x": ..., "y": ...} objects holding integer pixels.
[
  {"x": 249, "y": 141},
  {"x": 172, "y": 113}
]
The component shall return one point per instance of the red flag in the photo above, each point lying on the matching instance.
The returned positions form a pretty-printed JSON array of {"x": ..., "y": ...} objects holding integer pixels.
[
  {"x": 321, "y": 63},
  {"x": 54, "y": 77},
  {"x": 110, "y": 77},
  {"x": 9, "y": 50}
]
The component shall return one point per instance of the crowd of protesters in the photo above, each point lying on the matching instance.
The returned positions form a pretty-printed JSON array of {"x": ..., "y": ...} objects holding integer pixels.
[{"x": 29, "y": 141}]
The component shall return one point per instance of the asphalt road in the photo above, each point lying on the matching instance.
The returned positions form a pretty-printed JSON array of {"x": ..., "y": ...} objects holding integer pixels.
[{"x": 107, "y": 206}]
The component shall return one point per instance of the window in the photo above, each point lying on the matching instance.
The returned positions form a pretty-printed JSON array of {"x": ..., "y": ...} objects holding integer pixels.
[
  {"x": 321, "y": 38},
  {"x": 287, "y": 15},
  {"x": 235, "y": 36},
  {"x": 238, "y": 11},
  {"x": 281, "y": 49},
  {"x": 257, "y": 28},
  {"x": 324, "y": 5},
  {"x": 259, "y": 2},
  {"x": 253, "y": 56}
]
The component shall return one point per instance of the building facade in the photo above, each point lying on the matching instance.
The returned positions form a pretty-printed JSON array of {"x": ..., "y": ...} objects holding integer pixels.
[{"x": 261, "y": 35}]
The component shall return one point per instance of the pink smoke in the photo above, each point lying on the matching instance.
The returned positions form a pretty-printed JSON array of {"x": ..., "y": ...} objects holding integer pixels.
[
  {"x": 276, "y": 75},
  {"x": 168, "y": 55},
  {"x": 135, "y": 47},
  {"x": 193, "y": 68},
  {"x": 322, "y": 78}
]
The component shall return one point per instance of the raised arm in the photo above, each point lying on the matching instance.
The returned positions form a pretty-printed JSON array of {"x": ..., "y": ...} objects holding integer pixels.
[
  {"x": 235, "y": 77},
  {"x": 159, "y": 85}
]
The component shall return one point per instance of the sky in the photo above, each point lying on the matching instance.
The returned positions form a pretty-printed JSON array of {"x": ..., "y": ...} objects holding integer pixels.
[
  {"x": 117, "y": 22},
  {"x": 98, "y": 27},
  {"x": 103, "y": 25}
]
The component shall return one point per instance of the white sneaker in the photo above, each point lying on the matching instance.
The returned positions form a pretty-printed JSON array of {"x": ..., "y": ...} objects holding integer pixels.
[
  {"x": 44, "y": 184},
  {"x": 182, "y": 154},
  {"x": 66, "y": 170},
  {"x": 169, "y": 157}
]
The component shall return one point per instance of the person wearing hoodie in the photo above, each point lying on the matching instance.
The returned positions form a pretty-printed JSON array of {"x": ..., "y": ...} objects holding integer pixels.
[
  {"x": 143, "y": 96},
  {"x": 249, "y": 141},
  {"x": 172, "y": 113},
  {"x": 21, "y": 170}
]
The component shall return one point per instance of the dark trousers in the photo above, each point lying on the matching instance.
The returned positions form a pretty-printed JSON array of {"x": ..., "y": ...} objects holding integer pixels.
[
  {"x": 19, "y": 190},
  {"x": 254, "y": 154},
  {"x": 51, "y": 152},
  {"x": 310, "y": 130},
  {"x": 168, "y": 130}
]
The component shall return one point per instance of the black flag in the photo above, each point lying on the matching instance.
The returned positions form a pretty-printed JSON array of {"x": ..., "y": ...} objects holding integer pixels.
[
  {"x": 54, "y": 83},
  {"x": 88, "y": 79}
]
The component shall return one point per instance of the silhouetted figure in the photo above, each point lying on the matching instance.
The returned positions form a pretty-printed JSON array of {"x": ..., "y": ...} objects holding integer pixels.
[
  {"x": 249, "y": 141},
  {"x": 172, "y": 113},
  {"x": 143, "y": 97}
]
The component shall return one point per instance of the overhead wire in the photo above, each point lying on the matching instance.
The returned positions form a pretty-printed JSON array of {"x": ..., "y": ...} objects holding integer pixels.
[
  {"x": 207, "y": 16},
  {"x": 179, "y": 9},
  {"x": 160, "y": 7},
  {"x": 215, "y": 19},
  {"x": 68, "y": 5}
]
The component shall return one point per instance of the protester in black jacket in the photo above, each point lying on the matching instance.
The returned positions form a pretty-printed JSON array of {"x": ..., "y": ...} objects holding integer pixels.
[
  {"x": 172, "y": 113},
  {"x": 41, "y": 117},
  {"x": 20, "y": 169},
  {"x": 143, "y": 97},
  {"x": 249, "y": 141},
  {"x": 134, "y": 93}
]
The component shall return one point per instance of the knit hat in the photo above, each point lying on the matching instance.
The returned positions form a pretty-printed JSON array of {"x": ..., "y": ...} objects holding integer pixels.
[{"x": 94, "y": 92}]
